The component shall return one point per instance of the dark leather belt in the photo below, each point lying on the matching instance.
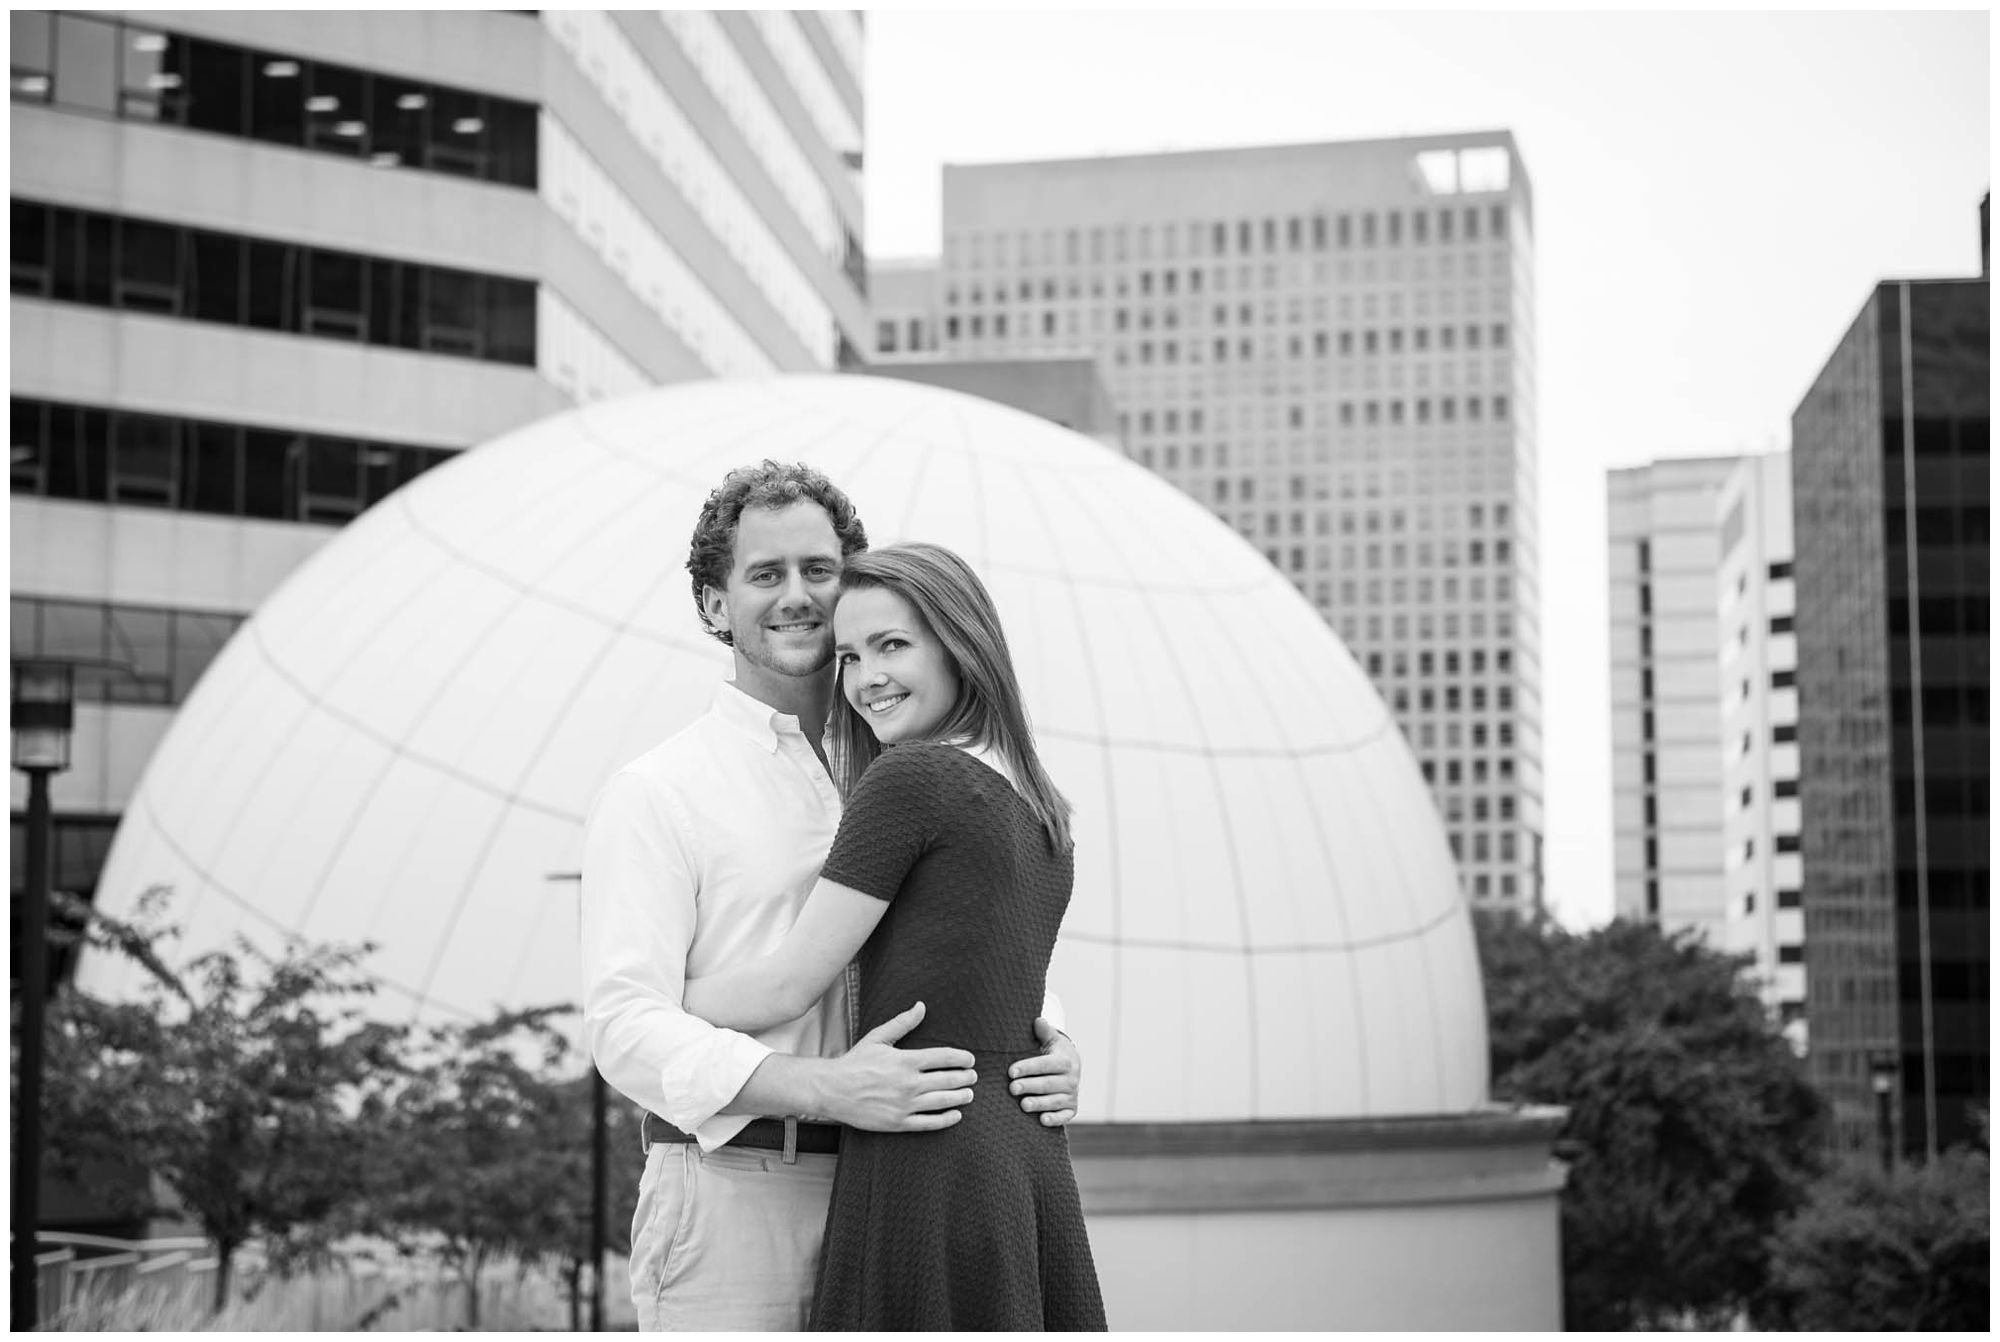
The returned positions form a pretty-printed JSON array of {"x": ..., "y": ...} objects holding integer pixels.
[{"x": 760, "y": 1134}]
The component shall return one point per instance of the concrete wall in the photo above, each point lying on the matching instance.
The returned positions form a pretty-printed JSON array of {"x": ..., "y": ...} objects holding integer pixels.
[{"x": 1448, "y": 1222}]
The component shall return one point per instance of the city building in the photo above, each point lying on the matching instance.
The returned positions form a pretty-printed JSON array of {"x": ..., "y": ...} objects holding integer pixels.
[
  {"x": 1890, "y": 482},
  {"x": 903, "y": 297},
  {"x": 1065, "y": 391},
  {"x": 1704, "y": 712},
  {"x": 1339, "y": 363},
  {"x": 1666, "y": 722},
  {"x": 1266, "y": 961},
  {"x": 269, "y": 265},
  {"x": 1759, "y": 705}
]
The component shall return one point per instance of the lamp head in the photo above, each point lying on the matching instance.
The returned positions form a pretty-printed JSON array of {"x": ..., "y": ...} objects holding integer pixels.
[{"x": 43, "y": 713}]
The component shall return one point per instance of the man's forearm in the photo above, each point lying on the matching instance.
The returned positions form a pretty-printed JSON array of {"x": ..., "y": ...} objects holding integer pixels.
[{"x": 785, "y": 1085}]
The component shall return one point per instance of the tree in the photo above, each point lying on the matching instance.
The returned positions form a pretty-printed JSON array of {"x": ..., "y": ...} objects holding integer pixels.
[
  {"x": 482, "y": 1153},
  {"x": 1906, "y": 1252},
  {"x": 235, "y": 1081},
  {"x": 1692, "y": 1131}
]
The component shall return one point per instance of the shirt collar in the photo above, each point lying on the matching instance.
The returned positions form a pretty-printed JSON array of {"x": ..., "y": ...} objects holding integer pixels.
[{"x": 754, "y": 718}]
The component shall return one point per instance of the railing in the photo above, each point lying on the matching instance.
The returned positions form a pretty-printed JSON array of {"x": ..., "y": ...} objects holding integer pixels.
[{"x": 98, "y": 1283}]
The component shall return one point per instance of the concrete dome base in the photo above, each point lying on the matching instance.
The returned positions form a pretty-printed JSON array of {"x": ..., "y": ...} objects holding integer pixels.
[{"x": 1448, "y": 1222}]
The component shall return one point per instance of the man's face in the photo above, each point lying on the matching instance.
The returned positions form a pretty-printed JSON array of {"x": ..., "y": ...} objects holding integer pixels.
[{"x": 778, "y": 604}]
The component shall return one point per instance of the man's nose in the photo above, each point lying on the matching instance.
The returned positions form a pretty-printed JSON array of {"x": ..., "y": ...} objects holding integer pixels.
[{"x": 795, "y": 591}]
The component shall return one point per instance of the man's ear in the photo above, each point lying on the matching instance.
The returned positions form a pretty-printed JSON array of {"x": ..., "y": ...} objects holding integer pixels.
[{"x": 715, "y": 605}]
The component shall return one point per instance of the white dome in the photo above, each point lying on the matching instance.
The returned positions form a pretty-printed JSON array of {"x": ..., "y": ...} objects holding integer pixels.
[{"x": 401, "y": 745}]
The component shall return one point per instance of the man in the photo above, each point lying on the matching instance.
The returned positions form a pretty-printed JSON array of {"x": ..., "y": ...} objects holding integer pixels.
[{"x": 702, "y": 852}]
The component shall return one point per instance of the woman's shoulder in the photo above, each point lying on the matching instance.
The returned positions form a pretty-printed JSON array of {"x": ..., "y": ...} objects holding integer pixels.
[
  {"x": 922, "y": 767},
  {"x": 913, "y": 758}
]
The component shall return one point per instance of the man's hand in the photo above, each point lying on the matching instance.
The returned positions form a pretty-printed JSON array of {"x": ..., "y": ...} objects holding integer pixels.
[
  {"x": 1049, "y": 1083},
  {"x": 881, "y": 1088}
]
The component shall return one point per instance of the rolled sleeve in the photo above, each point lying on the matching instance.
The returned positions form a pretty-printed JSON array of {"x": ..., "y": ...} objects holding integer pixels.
[
  {"x": 638, "y": 922},
  {"x": 1052, "y": 1010}
]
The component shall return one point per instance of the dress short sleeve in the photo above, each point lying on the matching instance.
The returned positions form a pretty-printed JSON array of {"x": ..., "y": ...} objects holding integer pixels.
[{"x": 889, "y": 820}]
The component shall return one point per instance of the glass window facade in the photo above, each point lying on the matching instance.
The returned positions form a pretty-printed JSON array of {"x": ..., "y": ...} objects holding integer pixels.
[
  {"x": 140, "y": 265},
  {"x": 163, "y": 651},
  {"x": 136, "y": 72},
  {"x": 95, "y": 455},
  {"x": 1892, "y": 585}
]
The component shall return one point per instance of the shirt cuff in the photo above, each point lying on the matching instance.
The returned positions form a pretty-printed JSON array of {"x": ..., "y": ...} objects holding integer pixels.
[{"x": 697, "y": 1090}]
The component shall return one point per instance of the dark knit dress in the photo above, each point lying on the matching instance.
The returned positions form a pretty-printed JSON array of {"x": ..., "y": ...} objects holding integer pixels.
[{"x": 977, "y": 1226}]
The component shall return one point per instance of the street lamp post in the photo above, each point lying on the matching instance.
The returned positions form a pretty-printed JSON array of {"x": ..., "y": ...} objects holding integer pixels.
[
  {"x": 598, "y": 1212},
  {"x": 599, "y": 1165},
  {"x": 1882, "y": 1069},
  {"x": 43, "y": 708}
]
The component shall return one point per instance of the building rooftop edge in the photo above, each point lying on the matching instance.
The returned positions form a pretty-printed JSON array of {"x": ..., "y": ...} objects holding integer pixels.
[{"x": 1458, "y": 139}]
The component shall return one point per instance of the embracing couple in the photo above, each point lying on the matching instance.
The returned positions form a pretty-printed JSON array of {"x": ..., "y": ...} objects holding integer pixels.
[{"x": 857, "y": 844}]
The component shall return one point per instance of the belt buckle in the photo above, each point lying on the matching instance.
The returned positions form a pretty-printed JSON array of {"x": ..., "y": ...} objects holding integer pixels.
[{"x": 791, "y": 1139}]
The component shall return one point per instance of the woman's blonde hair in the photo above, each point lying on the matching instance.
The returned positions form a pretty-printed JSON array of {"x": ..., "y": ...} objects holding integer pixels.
[{"x": 948, "y": 596}]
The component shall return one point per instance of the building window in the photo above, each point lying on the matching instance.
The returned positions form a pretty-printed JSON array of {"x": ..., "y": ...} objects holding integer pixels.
[
  {"x": 232, "y": 470},
  {"x": 240, "y": 281},
  {"x": 162, "y": 652},
  {"x": 1781, "y": 624},
  {"x": 140, "y": 73},
  {"x": 1791, "y": 955}
]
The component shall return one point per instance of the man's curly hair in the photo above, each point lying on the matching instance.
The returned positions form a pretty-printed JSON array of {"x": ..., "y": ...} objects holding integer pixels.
[{"x": 773, "y": 484}]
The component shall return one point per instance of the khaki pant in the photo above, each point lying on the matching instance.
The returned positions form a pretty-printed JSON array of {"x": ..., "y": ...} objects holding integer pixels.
[{"x": 729, "y": 1240}]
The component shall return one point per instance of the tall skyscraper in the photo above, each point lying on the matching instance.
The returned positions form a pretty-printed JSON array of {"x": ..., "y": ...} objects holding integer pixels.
[
  {"x": 1331, "y": 347},
  {"x": 268, "y": 265},
  {"x": 1890, "y": 483}
]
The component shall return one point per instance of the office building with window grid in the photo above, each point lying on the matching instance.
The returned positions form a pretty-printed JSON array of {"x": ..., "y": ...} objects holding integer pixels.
[
  {"x": 1666, "y": 722},
  {"x": 1891, "y": 482},
  {"x": 1331, "y": 347},
  {"x": 1704, "y": 711},
  {"x": 1758, "y": 700},
  {"x": 269, "y": 265}
]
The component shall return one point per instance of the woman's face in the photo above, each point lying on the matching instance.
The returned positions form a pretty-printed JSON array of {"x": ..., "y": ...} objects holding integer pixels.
[{"x": 893, "y": 670}]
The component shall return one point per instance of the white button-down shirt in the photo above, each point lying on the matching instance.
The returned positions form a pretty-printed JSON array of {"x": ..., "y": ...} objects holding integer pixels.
[{"x": 697, "y": 855}]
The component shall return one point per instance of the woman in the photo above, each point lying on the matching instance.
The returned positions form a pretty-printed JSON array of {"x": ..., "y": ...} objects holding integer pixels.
[{"x": 950, "y": 876}]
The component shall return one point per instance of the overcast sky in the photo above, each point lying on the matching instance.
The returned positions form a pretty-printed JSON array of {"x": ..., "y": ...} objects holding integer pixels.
[{"x": 1715, "y": 195}]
